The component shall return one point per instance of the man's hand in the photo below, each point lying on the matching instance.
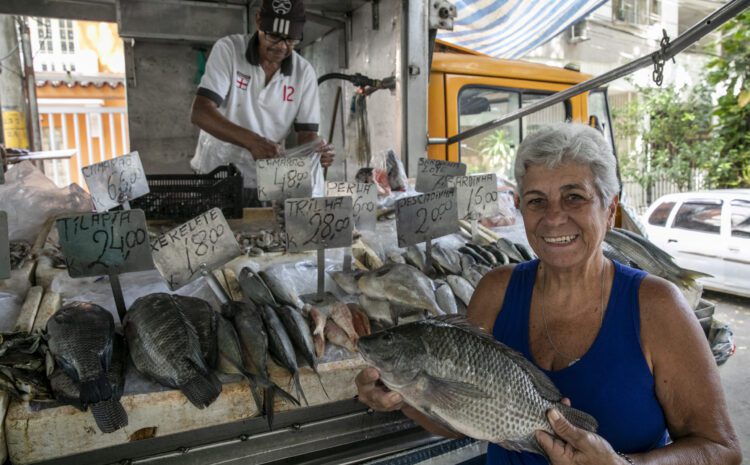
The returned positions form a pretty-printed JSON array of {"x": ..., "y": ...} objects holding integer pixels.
[
  {"x": 262, "y": 148},
  {"x": 373, "y": 393},
  {"x": 327, "y": 154}
]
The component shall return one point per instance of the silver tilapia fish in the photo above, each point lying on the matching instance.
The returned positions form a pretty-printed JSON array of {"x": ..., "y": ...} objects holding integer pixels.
[
  {"x": 165, "y": 347},
  {"x": 461, "y": 377},
  {"x": 400, "y": 284},
  {"x": 80, "y": 338}
]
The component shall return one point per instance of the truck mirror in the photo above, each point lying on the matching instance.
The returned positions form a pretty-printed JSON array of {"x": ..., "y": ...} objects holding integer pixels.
[
  {"x": 473, "y": 105},
  {"x": 594, "y": 123}
]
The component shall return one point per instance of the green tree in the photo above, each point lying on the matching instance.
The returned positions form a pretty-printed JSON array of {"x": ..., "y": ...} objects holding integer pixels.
[
  {"x": 730, "y": 72},
  {"x": 675, "y": 129}
]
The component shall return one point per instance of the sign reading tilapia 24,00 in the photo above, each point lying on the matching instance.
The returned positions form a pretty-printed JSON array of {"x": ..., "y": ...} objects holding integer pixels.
[
  {"x": 319, "y": 223},
  {"x": 476, "y": 195},
  {"x": 105, "y": 243},
  {"x": 433, "y": 175},
  {"x": 284, "y": 178},
  {"x": 364, "y": 201},
  {"x": 426, "y": 216},
  {"x": 202, "y": 244},
  {"x": 115, "y": 181},
  {"x": 4, "y": 246}
]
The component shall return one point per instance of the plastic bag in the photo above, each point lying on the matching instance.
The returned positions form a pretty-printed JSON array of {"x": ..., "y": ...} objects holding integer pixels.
[
  {"x": 310, "y": 149},
  {"x": 721, "y": 340},
  {"x": 30, "y": 198},
  {"x": 388, "y": 171}
]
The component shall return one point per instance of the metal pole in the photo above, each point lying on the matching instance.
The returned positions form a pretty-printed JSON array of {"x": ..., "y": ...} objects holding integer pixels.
[
  {"x": 692, "y": 35},
  {"x": 35, "y": 134},
  {"x": 114, "y": 282}
]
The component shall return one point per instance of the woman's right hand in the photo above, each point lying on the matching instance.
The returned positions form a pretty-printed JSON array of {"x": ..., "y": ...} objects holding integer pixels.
[{"x": 373, "y": 393}]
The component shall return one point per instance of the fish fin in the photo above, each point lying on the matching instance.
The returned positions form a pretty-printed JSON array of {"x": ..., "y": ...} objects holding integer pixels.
[
  {"x": 95, "y": 391},
  {"x": 541, "y": 382},
  {"x": 268, "y": 395},
  {"x": 286, "y": 395},
  {"x": 109, "y": 415},
  {"x": 529, "y": 444},
  {"x": 445, "y": 392},
  {"x": 202, "y": 389},
  {"x": 578, "y": 418},
  {"x": 321, "y": 383}
]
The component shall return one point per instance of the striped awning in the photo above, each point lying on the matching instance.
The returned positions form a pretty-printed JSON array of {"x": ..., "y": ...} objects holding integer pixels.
[{"x": 512, "y": 28}]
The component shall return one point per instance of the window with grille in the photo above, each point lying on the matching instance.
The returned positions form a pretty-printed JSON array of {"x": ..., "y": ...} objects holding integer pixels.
[{"x": 636, "y": 12}]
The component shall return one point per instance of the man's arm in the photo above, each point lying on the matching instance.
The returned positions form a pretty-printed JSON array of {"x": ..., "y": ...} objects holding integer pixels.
[{"x": 205, "y": 114}]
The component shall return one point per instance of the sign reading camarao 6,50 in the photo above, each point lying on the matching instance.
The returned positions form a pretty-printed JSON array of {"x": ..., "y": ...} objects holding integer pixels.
[{"x": 105, "y": 243}]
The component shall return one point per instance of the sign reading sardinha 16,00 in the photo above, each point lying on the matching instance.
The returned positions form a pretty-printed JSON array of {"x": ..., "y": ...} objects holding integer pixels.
[
  {"x": 116, "y": 181},
  {"x": 200, "y": 245},
  {"x": 476, "y": 196},
  {"x": 105, "y": 243},
  {"x": 424, "y": 217},
  {"x": 284, "y": 178},
  {"x": 318, "y": 223}
]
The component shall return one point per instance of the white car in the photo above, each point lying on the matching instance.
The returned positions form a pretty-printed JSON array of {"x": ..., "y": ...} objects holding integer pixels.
[{"x": 706, "y": 231}]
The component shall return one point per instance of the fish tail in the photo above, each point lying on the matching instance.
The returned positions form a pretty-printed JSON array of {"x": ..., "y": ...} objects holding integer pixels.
[
  {"x": 299, "y": 388},
  {"x": 578, "y": 418},
  {"x": 96, "y": 390},
  {"x": 253, "y": 381},
  {"x": 109, "y": 415},
  {"x": 268, "y": 394},
  {"x": 321, "y": 383},
  {"x": 202, "y": 389}
]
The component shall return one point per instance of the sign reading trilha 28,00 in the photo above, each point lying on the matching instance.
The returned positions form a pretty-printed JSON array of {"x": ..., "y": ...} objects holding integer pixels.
[
  {"x": 201, "y": 244},
  {"x": 105, "y": 243},
  {"x": 318, "y": 223}
]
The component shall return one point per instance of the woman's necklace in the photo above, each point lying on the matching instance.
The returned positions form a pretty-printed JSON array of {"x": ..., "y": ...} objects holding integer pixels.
[{"x": 544, "y": 319}]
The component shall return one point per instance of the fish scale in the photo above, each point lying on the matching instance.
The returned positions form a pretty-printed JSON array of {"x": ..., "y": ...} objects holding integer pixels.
[{"x": 466, "y": 380}]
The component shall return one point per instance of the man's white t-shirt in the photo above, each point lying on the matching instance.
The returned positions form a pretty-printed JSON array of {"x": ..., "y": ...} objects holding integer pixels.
[{"x": 235, "y": 81}]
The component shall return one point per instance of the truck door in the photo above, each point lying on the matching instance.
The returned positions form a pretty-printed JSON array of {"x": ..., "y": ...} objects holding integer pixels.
[{"x": 474, "y": 100}]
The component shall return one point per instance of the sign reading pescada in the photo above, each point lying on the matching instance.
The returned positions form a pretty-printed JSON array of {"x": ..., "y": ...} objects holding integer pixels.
[
  {"x": 113, "y": 182},
  {"x": 432, "y": 175},
  {"x": 318, "y": 223},
  {"x": 284, "y": 178},
  {"x": 364, "y": 201},
  {"x": 476, "y": 195},
  {"x": 96, "y": 244},
  {"x": 424, "y": 217},
  {"x": 201, "y": 244},
  {"x": 4, "y": 246}
]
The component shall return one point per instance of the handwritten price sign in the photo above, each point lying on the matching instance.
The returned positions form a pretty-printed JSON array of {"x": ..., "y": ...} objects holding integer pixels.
[
  {"x": 201, "y": 244},
  {"x": 113, "y": 182},
  {"x": 320, "y": 223},
  {"x": 427, "y": 216},
  {"x": 284, "y": 178},
  {"x": 433, "y": 175},
  {"x": 105, "y": 243},
  {"x": 364, "y": 201},
  {"x": 476, "y": 196},
  {"x": 4, "y": 246}
]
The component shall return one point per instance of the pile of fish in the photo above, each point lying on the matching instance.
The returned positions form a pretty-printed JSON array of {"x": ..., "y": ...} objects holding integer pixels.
[
  {"x": 20, "y": 254},
  {"x": 24, "y": 362},
  {"x": 463, "y": 378},
  {"x": 90, "y": 362}
]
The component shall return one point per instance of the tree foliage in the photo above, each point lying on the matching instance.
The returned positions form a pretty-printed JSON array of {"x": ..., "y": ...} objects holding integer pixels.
[
  {"x": 730, "y": 72},
  {"x": 674, "y": 127}
]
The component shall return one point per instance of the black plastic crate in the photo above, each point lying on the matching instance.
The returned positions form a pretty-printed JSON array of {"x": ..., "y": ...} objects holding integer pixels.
[{"x": 184, "y": 196}]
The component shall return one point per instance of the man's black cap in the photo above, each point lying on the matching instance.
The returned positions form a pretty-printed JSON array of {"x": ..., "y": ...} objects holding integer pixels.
[{"x": 283, "y": 17}]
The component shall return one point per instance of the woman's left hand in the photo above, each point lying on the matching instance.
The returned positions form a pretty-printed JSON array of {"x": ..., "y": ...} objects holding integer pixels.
[{"x": 575, "y": 446}]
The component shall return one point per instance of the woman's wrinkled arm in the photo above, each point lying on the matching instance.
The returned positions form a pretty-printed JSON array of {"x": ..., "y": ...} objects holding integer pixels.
[{"x": 686, "y": 380}]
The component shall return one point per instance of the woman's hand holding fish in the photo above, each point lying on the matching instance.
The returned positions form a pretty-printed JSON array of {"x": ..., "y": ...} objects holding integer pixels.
[
  {"x": 575, "y": 446},
  {"x": 373, "y": 393}
]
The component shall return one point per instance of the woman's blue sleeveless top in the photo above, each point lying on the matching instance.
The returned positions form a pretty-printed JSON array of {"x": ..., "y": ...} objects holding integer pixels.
[{"x": 611, "y": 381}]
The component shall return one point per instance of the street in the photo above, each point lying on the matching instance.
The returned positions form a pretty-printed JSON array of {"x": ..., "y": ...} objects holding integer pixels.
[{"x": 734, "y": 373}]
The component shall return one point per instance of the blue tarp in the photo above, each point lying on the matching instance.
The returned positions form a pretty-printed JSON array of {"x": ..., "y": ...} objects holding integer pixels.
[{"x": 512, "y": 28}]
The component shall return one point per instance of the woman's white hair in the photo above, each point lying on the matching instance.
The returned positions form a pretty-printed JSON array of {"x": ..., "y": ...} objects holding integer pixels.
[{"x": 563, "y": 143}]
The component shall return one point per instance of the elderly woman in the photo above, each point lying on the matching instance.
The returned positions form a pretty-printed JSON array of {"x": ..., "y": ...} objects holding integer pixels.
[{"x": 618, "y": 343}]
